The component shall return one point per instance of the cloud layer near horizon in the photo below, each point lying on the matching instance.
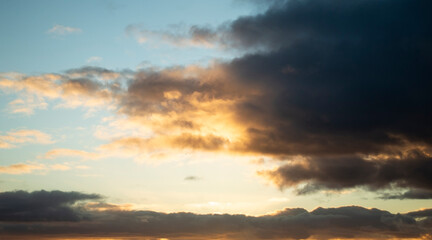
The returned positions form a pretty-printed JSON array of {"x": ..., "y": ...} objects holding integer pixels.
[
  {"x": 59, "y": 214},
  {"x": 342, "y": 85}
]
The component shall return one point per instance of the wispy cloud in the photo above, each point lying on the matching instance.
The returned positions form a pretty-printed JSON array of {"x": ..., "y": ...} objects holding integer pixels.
[
  {"x": 24, "y": 136},
  {"x": 21, "y": 168},
  {"x": 193, "y": 37},
  {"x": 62, "y": 152},
  {"x": 89, "y": 86},
  {"x": 94, "y": 59},
  {"x": 34, "y": 167},
  {"x": 63, "y": 30}
]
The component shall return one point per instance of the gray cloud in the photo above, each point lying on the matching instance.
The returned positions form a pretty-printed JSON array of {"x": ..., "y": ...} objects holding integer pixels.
[
  {"x": 336, "y": 77},
  {"x": 21, "y": 206},
  {"x": 413, "y": 171},
  {"x": 192, "y": 178},
  {"x": 421, "y": 213},
  {"x": 410, "y": 194},
  {"x": 342, "y": 222}
]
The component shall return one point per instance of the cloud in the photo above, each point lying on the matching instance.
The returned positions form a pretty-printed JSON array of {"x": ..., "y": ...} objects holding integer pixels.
[
  {"x": 323, "y": 86},
  {"x": 63, "y": 30},
  {"x": 63, "y": 152},
  {"x": 94, "y": 59},
  {"x": 412, "y": 171},
  {"x": 24, "y": 136},
  {"x": 192, "y": 178},
  {"x": 51, "y": 214},
  {"x": 421, "y": 213},
  {"x": 207, "y": 142},
  {"x": 195, "y": 37},
  {"x": 31, "y": 167},
  {"x": 42, "y": 206},
  {"x": 94, "y": 73},
  {"x": 410, "y": 194},
  {"x": 27, "y": 106},
  {"x": 90, "y": 87},
  {"x": 21, "y": 168}
]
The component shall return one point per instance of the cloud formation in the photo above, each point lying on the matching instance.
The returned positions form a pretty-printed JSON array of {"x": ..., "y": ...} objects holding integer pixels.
[
  {"x": 42, "y": 206},
  {"x": 410, "y": 194},
  {"x": 412, "y": 171},
  {"x": 63, "y": 30},
  {"x": 34, "y": 167},
  {"x": 341, "y": 84},
  {"x": 326, "y": 85},
  {"x": 336, "y": 82},
  {"x": 195, "y": 37},
  {"x": 90, "y": 87},
  {"x": 55, "y": 214},
  {"x": 63, "y": 152},
  {"x": 24, "y": 136},
  {"x": 94, "y": 59},
  {"x": 192, "y": 178},
  {"x": 21, "y": 168}
]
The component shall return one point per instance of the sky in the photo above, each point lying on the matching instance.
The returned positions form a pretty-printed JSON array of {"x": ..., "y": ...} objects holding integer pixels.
[{"x": 228, "y": 119}]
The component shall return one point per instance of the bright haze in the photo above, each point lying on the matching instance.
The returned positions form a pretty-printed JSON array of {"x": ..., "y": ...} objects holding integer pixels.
[{"x": 227, "y": 119}]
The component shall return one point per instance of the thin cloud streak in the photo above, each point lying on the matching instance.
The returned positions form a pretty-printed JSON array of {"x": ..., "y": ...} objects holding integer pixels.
[
  {"x": 63, "y": 30},
  {"x": 195, "y": 37},
  {"x": 21, "y": 168},
  {"x": 35, "y": 168},
  {"x": 16, "y": 138},
  {"x": 94, "y": 59}
]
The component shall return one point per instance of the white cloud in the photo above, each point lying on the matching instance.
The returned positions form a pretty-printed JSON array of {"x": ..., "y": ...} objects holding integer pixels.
[
  {"x": 178, "y": 36},
  {"x": 94, "y": 59},
  {"x": 63, "y": 30}
]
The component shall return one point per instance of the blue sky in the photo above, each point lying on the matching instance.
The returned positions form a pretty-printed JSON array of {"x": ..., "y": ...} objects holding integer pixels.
[{"x": 28, "y": 46}]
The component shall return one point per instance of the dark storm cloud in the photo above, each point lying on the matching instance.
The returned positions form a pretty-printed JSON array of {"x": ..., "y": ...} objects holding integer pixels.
[
  {"x": 415, "y": 170},
  {"x": 332, "y": 21},
  {"x": 42, "y": 206},
  {"x": 345, "y": 222},
  {"x": 336, "y": 79},
  {"x": 341, "y": 77}
]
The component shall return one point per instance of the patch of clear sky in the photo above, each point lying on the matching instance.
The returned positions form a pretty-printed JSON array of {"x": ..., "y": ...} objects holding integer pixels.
[{"x": 27, "y": 47}]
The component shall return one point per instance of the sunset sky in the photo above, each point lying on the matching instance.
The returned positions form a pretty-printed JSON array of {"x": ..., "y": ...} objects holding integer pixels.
[{"x": 227, "y": 119}]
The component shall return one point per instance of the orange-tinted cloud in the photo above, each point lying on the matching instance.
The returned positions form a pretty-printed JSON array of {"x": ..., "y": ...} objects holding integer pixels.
[
  {"x": 21, "y": 168},
  {"x": 63, "y": 152},
  {"x": 24, "y": 136}
]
